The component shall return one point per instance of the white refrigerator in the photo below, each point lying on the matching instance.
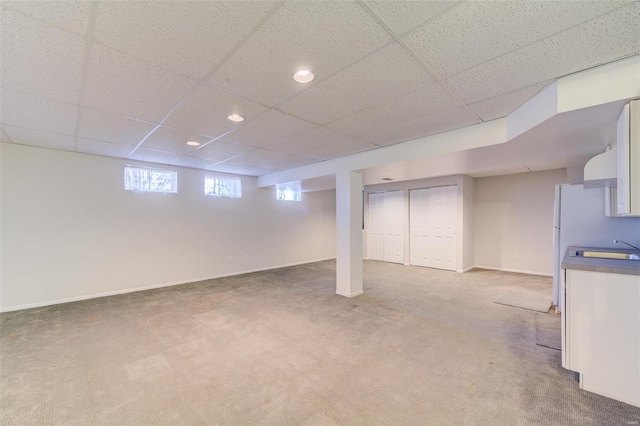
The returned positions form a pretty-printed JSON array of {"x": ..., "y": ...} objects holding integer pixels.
[{"x": 579, "y": 220}]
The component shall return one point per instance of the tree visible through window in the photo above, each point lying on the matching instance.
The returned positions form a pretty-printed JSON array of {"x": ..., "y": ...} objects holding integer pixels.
[
  {"x": 145, "y": 179},
  {"x": 289, "y": 191},
  {"x": 219, "y": 186}
]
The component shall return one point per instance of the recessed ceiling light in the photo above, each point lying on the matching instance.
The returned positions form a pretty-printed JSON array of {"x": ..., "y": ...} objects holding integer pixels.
[
  {"x": 193, "y": 143},
  {"x": 235, "y": 117},
  {"x": 304, "y": 76}
]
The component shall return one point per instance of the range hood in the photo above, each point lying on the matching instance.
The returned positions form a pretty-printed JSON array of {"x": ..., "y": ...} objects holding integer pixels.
[{"x": 601, "y": 170}]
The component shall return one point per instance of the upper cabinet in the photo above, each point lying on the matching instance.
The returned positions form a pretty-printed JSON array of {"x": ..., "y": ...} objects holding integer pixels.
[{"x": 628, "y": 161}]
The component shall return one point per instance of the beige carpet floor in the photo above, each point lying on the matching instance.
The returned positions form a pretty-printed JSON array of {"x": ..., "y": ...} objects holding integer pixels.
[{"x": 420, "y": 347}]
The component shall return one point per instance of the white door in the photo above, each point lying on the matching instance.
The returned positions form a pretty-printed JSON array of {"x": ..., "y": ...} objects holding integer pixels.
[
  {"x": 433, "y": 218},
  {"x": 376, "y": 226},
  {"x": 421, "y": 224},
  {"x": 394, "y": 227},
  {"x": 386, "y": 226}
]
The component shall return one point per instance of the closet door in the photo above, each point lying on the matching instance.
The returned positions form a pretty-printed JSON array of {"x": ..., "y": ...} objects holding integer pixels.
[
  {"x": 394, "y": 227},
  {"x": 433, "y": 219},
  {"x": 386, "y": 226},
  {"x": 421, "y": 225},
  {"x": 445, "y": 217},
  {"x": 375, "y": 238}
]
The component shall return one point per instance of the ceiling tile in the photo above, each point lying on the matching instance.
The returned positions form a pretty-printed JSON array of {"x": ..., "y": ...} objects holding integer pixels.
[
  {"x": 423, "y": 102},
  {"x": 220, "y": 150},
  {"x": 477, "y": 31},
  {"x": 268, "y": 128},
  {"x": 188, "y": 38},
  {"x": 322, "y": 36},
  {"x": 240, "y": 170},
  {"x": 24, "y": 110},
  {"x": 347, "y": 147},
  {"x": 72, "y": 16},
  {"x": 597, "y": 42},
  {"x": 383, "y": 75},
  {"x": 91, "y": 146},
  {"x": 502, "y": 105},
  {"x": 206, "y": 109},
  {"x": 103, "y": 126},
  {"x": 168, "y": 139},
  {"x": 403, "y": 16},
  {"x": 269, "y": 160},
  {"x": 193, "y": 162},
  {"x": 431, "y": 125},
  {"x": 126, "y": 86},
  {"x": 40, "y": 59},
  {"x": 314, "y": 139},
  {"x": 153, "y": 156},
  {"x": 39, "y": 138}
]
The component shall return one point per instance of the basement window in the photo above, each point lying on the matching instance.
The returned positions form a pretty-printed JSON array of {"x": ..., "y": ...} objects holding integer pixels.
[
  {"x": 218, "y": 186},
  {"x": 146, "y": 179},
  {"x": 289, "y": 191}
]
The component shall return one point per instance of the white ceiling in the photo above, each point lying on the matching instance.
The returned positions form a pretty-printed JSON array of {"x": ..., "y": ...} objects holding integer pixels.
[
  {"x": 139, "y": 79},
  {"x": 572, "y": 137}
]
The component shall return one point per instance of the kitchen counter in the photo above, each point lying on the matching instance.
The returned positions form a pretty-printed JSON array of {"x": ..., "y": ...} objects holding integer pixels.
[{"x": 614, "y": 266}]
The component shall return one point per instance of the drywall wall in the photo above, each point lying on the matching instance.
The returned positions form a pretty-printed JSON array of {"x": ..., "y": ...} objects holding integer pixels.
[
  {"x": 71, "y": 231},
  {"x": 513, "y": 221},
  {"x": 468, "y": 197},
  {"x": 464, "y": 206}
]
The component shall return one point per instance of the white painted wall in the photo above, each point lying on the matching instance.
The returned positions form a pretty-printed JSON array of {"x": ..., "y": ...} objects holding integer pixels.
[
  {"x": 513, "y": 215},
  {"x": 468, "y": 206},
  {"x": 70, "y": 231}
]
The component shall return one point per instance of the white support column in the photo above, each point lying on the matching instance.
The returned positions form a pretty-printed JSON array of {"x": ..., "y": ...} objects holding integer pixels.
[{"x": 349, "y": 233}]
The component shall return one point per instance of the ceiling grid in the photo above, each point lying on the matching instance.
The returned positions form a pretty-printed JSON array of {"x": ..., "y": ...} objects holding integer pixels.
[{"x": 139, "y": 79}]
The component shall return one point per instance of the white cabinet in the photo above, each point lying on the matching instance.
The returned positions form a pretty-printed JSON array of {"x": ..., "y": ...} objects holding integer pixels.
[
  {"x": 602, "y": 336},
  {"x": 628, "y": 161}
]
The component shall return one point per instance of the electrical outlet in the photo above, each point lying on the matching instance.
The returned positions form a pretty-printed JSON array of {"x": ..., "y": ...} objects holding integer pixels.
[{"x": 229, "y": 259}]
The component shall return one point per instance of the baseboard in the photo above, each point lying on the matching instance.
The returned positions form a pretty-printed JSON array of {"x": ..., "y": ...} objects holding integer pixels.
[
  {"x": 357, "y": 293},
  {"x": 150, "y": 287},
  {"x": 469, "y": 268},
  {"x": 518, "y": 271}
]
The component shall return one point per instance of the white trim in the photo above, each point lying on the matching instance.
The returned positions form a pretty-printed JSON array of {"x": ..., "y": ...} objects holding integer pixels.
[
  {"x": 518, "y": 271},
  {"x": 151, "y": 287},
  {"x": 468, "y": 269},
  {"x": 357, "y": 293}
]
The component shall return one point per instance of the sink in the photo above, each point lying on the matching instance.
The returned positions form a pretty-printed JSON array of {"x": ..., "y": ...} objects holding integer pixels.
[{"x": 607, "y": 255}]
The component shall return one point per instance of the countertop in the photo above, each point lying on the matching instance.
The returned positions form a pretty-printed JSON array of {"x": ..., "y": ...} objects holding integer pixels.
[{"x": 613, "y": 266}]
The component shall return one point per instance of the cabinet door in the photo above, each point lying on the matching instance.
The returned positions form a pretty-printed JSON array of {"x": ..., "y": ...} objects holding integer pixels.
[
  {"x": 603, "y": 332},
  {"x": 628, "y": 160},
  {"x": 623, "y": 173}
]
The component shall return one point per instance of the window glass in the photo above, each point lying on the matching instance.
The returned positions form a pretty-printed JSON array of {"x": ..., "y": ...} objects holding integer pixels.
[
  {"x": 146, "y": 179},
  {"x": 289, "y": 191},
  {"x": 218, "y": 186}
]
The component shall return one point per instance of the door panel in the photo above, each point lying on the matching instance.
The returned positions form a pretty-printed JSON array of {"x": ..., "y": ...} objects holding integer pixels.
[
  {"x": 394, "y": 227},
  {"x": 376, "y": 226},
  {"x": 421, "y": 225},
  {"x": 433, "y": 219},
  {"x": 386, "y": 226}
]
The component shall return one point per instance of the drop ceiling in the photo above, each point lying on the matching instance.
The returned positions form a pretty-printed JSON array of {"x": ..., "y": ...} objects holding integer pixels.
[{"x": 138, "y": 80}]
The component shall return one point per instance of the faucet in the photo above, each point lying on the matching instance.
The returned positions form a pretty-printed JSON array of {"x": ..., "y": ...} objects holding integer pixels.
[{"x": 630, "y": 245}]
